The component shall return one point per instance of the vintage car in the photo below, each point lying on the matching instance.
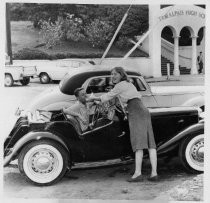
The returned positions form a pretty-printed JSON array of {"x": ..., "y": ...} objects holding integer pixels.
[
  {"x": 17, "y": 73},
  {"x": 47, "y": 144},
  {"x": 97, "y": 80},
  {"x": 56, "y": 70},
  {"x": 20, "y": 74}
]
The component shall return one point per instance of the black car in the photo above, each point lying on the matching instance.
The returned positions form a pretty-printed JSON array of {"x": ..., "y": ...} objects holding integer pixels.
[{"x": 47, "y": 144}]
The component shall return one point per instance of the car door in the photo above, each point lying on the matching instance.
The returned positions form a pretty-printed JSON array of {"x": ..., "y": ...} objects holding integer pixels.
[
  {"x": 59, "y": 72},
  {"x": 162, "y": 96},
  {"x": 114, "y": 139},
  {"x": 144, "y": 90},
  {"x": 105, "y": 143}
]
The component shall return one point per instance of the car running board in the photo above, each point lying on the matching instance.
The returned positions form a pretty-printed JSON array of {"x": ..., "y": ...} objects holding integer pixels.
[{"x": 112, "y": 162}]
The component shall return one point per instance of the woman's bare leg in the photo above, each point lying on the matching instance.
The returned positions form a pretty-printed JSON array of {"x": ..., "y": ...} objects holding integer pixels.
[
  {"x": 153, "y": 161},
  {"x": 138, "y": 162}
]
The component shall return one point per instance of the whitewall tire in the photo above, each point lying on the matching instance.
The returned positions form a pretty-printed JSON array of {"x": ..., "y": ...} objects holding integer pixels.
[
  {"x": 191, "y": 153},
  {"x": 43, "y": 162}
]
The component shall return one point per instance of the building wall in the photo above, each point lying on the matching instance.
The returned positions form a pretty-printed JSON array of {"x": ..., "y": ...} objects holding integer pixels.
[{"x": 176, "y": 17}]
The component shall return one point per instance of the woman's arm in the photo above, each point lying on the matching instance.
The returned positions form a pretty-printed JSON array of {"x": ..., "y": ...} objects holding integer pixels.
[
  {"x": 107, "y": 96},
  {"x": 116, "y": 91},
  {"x": 93, "y": 98}
]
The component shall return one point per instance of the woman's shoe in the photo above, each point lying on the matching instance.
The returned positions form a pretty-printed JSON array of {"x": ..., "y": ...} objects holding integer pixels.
[
  {"x": 137, "y": 179},
  {"x": 154, "y": 178}
]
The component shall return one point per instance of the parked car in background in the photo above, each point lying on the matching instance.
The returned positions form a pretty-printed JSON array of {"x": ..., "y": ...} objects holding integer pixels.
[
  {"x": 17, "y": 73},
  {"x": 57, "y": 70},
  {"x": 20, "y": 74},
  {"x": 97, "y": 80},
  {"x": 47, "y": 144}
]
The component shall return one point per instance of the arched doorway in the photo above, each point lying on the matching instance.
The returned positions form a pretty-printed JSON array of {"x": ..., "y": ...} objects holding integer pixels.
[
  {"x": 186, "y": 55},
  {"x": 167, "y": 49},
  {"x": 186, "y": 21}
]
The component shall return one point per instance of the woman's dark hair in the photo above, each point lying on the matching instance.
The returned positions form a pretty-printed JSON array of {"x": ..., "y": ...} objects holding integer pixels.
[
  {"x": 121, "y": 71},
  {"x": 77, "y": 90}
]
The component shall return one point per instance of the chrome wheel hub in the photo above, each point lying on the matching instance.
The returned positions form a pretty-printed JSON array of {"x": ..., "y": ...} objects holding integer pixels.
[
  {"x": 197, "y": 151},
  {"x": 43, "y": 162}
]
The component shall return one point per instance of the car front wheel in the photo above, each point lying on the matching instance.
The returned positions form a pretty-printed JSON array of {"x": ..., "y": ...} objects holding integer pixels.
[
  {"x": 43, "y": 162},
  {"x": 44, "y": 78},
  {"x": 191, "y": 153}
]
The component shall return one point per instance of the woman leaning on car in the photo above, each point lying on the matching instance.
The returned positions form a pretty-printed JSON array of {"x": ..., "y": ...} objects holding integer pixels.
[{"x": 141, "y": 132}]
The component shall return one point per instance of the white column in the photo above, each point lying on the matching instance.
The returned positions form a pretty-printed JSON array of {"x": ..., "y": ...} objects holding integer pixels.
[
  {"x": 194, "y": 69},
  {"x": 204, "y": 52},
  {"x": 154, "y": 41},
  {"x": 176, "y": 56}
]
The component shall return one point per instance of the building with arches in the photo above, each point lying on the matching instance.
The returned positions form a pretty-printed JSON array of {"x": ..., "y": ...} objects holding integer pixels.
[{"x": 177, "y": 35}]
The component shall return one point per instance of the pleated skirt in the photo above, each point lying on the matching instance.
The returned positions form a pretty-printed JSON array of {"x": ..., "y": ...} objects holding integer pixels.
[{"x": 141, "y": 132}]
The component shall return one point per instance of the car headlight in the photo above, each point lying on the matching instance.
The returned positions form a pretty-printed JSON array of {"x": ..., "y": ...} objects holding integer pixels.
[
  {"x": 200, "y": 113},
  {"x": 39, "y": 116}
]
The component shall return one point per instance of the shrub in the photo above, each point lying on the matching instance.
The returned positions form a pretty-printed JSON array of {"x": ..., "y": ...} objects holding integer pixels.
[
  {"x": 73, "y": 28},
  {"x": 123, "y": 42},
  {"x": 27, "y": 54},
  {"x": 99, "y": 33},
  {"x": 63, "y": 29},
  {"x": 52, "y": 32}
]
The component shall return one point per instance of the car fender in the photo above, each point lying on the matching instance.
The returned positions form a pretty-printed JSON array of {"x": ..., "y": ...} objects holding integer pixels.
[
  {"x": 16, "y": 74},
  {"x": 196, "y": 101},
  {"x": 58, "y": 105},
  {"x": 29, "y": 137},
  {"x": 191, "y": 130}
]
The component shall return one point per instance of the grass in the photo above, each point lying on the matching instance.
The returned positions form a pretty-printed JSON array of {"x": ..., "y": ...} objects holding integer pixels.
[{"x": 23, "y": 36}]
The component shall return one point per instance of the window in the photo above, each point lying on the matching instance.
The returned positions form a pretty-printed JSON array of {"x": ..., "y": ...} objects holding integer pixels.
[
  {"x": 99, "y": 85},
  {"x": 138, "y": 84},
  {"x": 104, "y": 84}
]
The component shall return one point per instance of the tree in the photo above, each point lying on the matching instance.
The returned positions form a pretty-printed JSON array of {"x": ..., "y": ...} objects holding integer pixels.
[
  {"x": 95, "y": 21},
  {"x": 135, "y": 24}
]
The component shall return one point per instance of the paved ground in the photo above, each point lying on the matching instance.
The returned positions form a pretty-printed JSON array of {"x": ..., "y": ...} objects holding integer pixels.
[
  {"x": 106, "y": 183},
  {"x": 103, "y": 183}
]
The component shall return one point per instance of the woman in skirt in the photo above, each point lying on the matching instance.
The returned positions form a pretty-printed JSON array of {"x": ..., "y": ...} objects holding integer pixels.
[{"x": 141, "y": 132}]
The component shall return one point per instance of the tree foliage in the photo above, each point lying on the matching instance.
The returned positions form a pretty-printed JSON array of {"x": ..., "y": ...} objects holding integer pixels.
[
  {"x": 95, "y": 22},
  {"x": 99, "y": 33},
  {"x": 136, "y": 22},
  {"x": 52, "y": 32}
]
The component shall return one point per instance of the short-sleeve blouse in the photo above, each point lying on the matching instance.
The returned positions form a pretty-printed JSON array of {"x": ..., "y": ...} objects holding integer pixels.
[{"x": 124, "y": 90}]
